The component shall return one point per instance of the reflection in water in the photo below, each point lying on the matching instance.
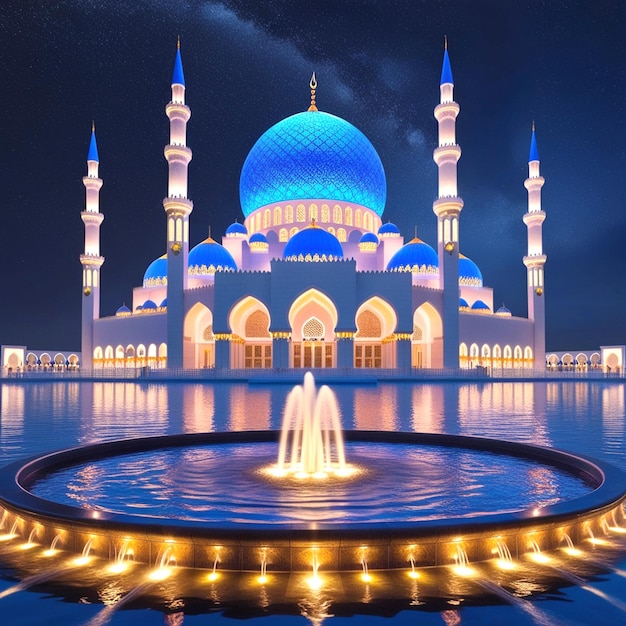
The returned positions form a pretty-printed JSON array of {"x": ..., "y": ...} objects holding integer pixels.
[
  {"x": 11, "y": 416},
  {"x": 249, "y": 408},
  {"x": 613, "y": 418},
  {"x": 197, "y": 408},
  {"x": 426, "y": 408},
  {"x": 376, "y": 408}
]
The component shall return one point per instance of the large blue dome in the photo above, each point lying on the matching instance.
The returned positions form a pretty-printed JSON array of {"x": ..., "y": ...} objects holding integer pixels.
[
  {"x": 415, "y": 256},
  {"x": 312, "y": 155},
  {"x": 313, "y": 244}
]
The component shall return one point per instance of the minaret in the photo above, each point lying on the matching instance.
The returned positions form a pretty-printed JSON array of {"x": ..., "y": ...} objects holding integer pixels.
[
  {"x": 177, "y": 208},
  {"x": 447, "y": 208},
  {"x": 91, "y": 259},
  {"x": 535, "y": 259}
]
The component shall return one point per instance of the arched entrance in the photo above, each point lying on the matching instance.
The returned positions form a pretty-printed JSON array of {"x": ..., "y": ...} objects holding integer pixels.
[
  {"x": 199, "y": 341},
  {"x": 427, "y": 339},
  {"x": 313, "y": 318},
  {"x": 251, "y": 344},
  {"x": 374, "y": 341}
]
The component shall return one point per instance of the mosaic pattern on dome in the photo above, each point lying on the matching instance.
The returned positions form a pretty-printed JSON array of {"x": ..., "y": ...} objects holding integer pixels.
[{"x": 313, "y": 155}]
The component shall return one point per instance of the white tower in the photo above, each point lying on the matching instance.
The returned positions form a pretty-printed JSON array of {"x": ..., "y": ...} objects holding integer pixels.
[
  {"x": 177, "y": 208},
  {"x": 447, "y": 208},
  {"x": 91, "y": 259},
  {"x": 535, "y": 259}
]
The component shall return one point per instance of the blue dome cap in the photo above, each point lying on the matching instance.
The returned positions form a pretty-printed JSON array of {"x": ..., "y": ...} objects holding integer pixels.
[
  {"x": 123, "y": 310},
  {"x": 479, "y": 305},
  {"x": 313, "y": 244},
  {"x": 388, "y": 229},
  {"x": 469, "y": 274},
  {"x": 92, "y": 155},
  {"x": 534, "y": 152},
  {"x": 164, "y": 303},
  {"x": 258, "y": 238},
  {"x": 149, "y": 304},
  {"x": 463, "y": 303},
  {"x": 178, "y": 78},
  {"x": 415, "y": 256},
  {"x": 156, "y": 274},
  {"x": 236, "y": 229},
  {"x": 446, "y": 70},
  {"x": 312, "y": 155},
  {"x": 368, "y": 238},
  {"x": 503, "y": 312},
  {"x": 209, "y": 257}
]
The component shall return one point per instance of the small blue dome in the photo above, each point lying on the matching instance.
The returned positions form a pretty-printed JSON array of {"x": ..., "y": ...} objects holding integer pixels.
[
  {"x": 236, "y": 229},
  {"x": 369, "y": 238},
  {"x": 415, "y": 256},
  {"x": 209, "y": 257},
  {"x": 479, "y": 305},
  {"x": 156, "y": 274},
  {"x": 312, "y": 155},
  {"x": 313, "y": 244},
  {"x": 123, "y": 310},
  {"x": 258, "y": 238},
  {"x": 469, "y": 274},
  {"x": 149, "y": 304},
  {"x": 463, "y": 303},
  {"x": 164, "y": 303},
  {"x": 503, "y": 312},
  {"x": 388, "y": 229}
]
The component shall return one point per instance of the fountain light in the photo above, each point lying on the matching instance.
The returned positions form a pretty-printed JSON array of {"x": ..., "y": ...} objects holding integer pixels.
[
  {"x": 315, "y": 581},
  {"x": 596, "y": 541},
  {"x": 160, "y": 573},
  {"x": 51, "y": 551}
]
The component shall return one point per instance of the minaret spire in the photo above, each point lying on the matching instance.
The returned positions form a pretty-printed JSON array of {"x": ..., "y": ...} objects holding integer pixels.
[
  {"x": 535, "y": 259},
  {"x": 313, "y": 86},
  {"x": 447, "y": 208},
  {"x": 91, "y": 259},
  {"x": 177, "y": 209}
]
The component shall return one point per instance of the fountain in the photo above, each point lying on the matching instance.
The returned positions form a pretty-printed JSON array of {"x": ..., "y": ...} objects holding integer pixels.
[
  {"x": 346, "y": 529},
  {"x": 311, "y": 421}
]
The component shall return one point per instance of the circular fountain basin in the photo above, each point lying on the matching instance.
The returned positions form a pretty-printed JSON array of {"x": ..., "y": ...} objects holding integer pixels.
[{"x": 338, "y": 538}]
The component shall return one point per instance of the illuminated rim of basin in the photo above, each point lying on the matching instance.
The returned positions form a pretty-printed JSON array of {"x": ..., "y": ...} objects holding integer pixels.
[{"x": 391, "y": 538}]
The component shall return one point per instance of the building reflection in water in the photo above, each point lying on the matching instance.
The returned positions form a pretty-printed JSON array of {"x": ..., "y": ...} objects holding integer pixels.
[
  {"x": 427, "y": 407},
  {"x": 613, "y": 418},
  {"x": 375, "y": 408},
  {"x": 11, "y": 416},
  {"x": 249, "y": 408}
]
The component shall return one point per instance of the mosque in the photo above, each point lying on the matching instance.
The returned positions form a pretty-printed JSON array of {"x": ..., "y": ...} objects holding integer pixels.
[{"x": 312, "y": 276}]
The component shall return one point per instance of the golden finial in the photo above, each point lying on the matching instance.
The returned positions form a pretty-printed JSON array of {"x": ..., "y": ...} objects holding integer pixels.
[
  {"x": 313, "y": 86},
  {"x": 415, "y": 232},
  {"x": 210, "y": 232},
  {"x": 178, "y": 44},
  {"x": 445, "y": 42},
  {"x": 93, "y": 126},
  {"x": 313, "y": 224},
  {"x": 533, "y": 126}
]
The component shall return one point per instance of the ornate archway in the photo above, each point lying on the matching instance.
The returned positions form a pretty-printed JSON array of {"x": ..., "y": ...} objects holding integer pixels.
[
  {"x": 313, "y": 318},
  {"x": 199, "y": 342},
  {"x": 427, "y": 340},
  {"x": 251, "y": 343},
  {"x": 374, "y": 341}
]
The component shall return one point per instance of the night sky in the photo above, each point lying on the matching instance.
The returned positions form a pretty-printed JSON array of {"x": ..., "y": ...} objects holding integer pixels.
[{"x": 247, "y": 66}]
